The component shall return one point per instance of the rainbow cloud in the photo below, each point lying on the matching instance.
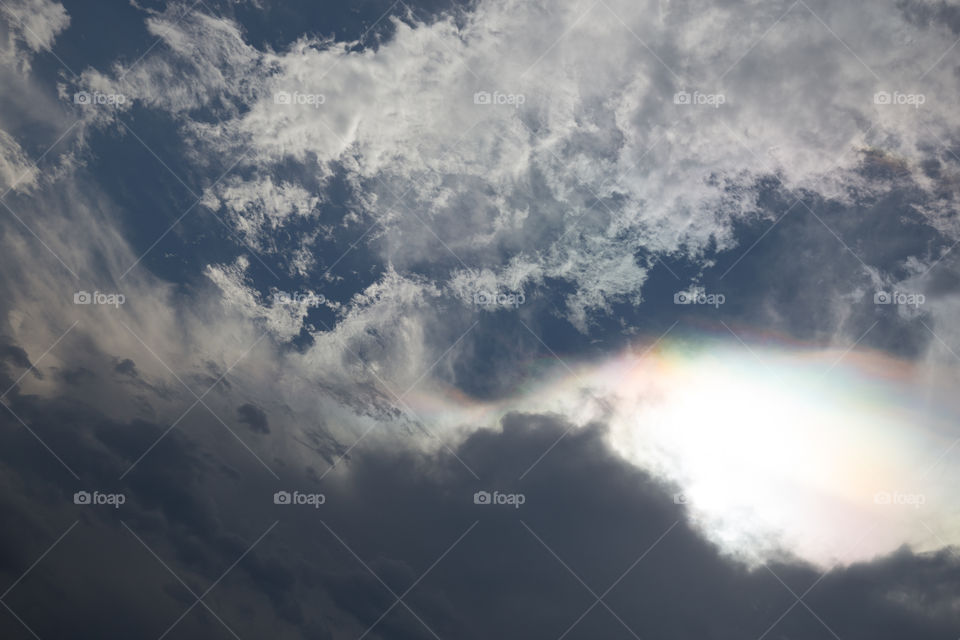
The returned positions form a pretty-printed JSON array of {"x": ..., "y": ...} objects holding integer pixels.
[{"x": 777, "y": 446}]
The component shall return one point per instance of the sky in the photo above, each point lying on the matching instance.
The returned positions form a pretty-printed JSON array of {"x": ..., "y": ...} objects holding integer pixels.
[{"x": 500, "y": 318}]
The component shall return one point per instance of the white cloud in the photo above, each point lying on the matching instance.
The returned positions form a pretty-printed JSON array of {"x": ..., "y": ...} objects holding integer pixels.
[
  {"x": 16, "y": 170},
  {"x": 31, "y": 26},
  {"x": 283, "y": 320},
  {"x": 587, "y": 162},
  {"x": 202, "y": 58},
  {"x": 259, "y": 207}
]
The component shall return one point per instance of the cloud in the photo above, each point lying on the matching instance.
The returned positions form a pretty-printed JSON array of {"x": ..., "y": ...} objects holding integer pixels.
[
  {"x": 588, "y": 521},
  {"x": 260, "y": 203},
  {"x": 285, "y": 321},
  {"x": 259, "y": 208},
  {"x": 16, "y": 170},
  {"x": 401, "y": 192},
  {"x": 30, "y": 26},
  {"x": 583, "y": 168}
]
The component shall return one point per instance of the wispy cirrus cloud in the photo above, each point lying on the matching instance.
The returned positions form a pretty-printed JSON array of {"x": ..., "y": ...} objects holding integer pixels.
[{"x": 28, "y": 27}]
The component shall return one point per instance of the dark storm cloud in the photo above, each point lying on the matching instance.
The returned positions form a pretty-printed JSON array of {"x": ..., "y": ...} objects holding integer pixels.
[
  {"x": 402, "y": 512},
  {"x": 84, "y": 588}
]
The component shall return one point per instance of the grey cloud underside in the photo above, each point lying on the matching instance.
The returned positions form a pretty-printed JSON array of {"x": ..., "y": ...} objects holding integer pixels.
[{"x": 399, "y": 511}]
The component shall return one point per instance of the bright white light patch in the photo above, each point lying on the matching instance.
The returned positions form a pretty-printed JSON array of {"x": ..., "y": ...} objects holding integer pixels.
[{"x": 827, "y": 455}]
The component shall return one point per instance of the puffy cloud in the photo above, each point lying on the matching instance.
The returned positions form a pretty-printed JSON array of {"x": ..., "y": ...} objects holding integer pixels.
[
  {"x": 258, "y": 208},
  {"x": 583, "y": 168}
]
